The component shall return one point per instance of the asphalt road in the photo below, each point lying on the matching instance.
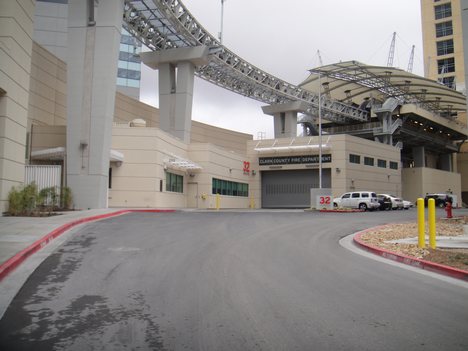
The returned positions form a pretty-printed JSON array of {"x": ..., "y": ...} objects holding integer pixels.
[{"x": 231, "y": 281}]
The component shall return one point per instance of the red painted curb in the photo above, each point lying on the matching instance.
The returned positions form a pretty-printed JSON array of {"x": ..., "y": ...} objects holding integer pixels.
[
  {"x": 14, "y": 261},
  {"x": 412, "y": 261}
]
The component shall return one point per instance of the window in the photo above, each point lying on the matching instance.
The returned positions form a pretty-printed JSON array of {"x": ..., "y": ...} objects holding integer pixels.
[
  {"x": 365, "y": 195},
  {"x": 446, "y": 65},
  {"x": 445, "y": 47},
  {"x": 174, "y": 183},
  {"x": 110, "y": 178},
  {"x": 443, "y": 11},
  {"x": 381, "y": 163},
  {"x": 443, "y": 29},
  {"x": 346, "y": 196},
  {"x": 369, "y": 161},
  {"x": 226, "y": 187},
  {"x": 355, "y": 195},
  {"x": 393, "y": 165},
  {"x": 354, "y": 158},
  {"x": 448, "y": 81}
]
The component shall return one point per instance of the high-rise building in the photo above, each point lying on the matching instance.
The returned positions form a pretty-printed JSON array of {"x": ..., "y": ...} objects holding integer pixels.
[
  {"x": 444, "y": 58},
  {"x": 50, "y": 31},
  {"x": 443, "y": 42},
  {"x": 129, "y": 72}
]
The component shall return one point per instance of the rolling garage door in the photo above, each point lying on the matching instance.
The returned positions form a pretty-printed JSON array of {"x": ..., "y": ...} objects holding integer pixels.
[{"x": 291, "y": 189}]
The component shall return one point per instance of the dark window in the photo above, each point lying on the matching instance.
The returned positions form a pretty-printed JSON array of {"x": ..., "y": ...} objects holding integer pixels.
[
  {"x": 226, "y": 187},
  {"x": 449, "y": 82},
  {"x": 445, "y": 47},
  {"x": 443, "y": 11},
  {"x": 354, "y": 158},
  {"x": 443, "y": 29},
  {"x": 369, "y": 161},
  {"x": 382, "y": 163},
  {"x": 364, "y": 195},
  {"x": 446, "y": 65},
  {"x": 355, "y": 195},
  {"x": 393, "y": 165},
  {"x": 174, "y": 183},
  {"x": 346, "y": 196},
  {"x": 110, "y": 178}
]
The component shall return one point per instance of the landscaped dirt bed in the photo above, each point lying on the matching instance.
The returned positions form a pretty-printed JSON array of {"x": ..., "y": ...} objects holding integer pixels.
[{"x": 457, "y": 258}]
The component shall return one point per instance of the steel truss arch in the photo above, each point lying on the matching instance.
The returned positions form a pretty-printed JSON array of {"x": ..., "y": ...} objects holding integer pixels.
[{"x": 168, "y": 24}]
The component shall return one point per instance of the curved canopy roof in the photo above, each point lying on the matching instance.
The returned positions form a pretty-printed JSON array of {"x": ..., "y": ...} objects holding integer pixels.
[{"x": 356, "y": 82}]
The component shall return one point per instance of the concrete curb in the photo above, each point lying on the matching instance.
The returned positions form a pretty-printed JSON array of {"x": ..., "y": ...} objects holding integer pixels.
[
  {"x": 14, "y": 261},
  {"x": 411, "y": 261}
]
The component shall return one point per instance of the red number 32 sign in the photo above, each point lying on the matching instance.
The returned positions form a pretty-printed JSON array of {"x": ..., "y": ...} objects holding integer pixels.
[{"x": 246, "y": 167}]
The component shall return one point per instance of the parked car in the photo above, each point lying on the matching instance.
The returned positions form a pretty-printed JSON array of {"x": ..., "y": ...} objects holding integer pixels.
[
  {"x": 407, "y": 204},
  {"x": 364, "y": 200},
  {"x": 385, "y": 202},
  {"x": 397, "y": 203},
  {"x": 440, "y": 199}
]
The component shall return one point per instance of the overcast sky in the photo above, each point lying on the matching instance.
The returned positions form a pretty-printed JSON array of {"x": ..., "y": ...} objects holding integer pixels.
[{"x": 282, "y": 38}]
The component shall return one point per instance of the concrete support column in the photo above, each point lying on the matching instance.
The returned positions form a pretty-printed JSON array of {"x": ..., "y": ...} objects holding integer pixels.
[
  {"x": 93, "y": 50},
  {"x": 285, "y": 118},
  {"x": 184, "y": 100},
  {"x": 16, "y": 29},
  {"x": 446, "y": 162},
  {"x": 176, "y": 80},
  {"x": 167, "y": 88},
  {"x": 419, "y": 156}
]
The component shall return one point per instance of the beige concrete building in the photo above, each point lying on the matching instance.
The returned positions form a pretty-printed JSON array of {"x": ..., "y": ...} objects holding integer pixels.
[
  {"x": 444, "y": 57},
  {"x": 16, "y": 28},
  {"x": 443, "y": 42},
  {"x": 407, "y": 150},
  {"x": 151, "y": 168}
]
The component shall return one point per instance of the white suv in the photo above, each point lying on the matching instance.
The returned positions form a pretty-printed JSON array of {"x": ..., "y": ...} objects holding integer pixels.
[{"x": 364, "y": 200}]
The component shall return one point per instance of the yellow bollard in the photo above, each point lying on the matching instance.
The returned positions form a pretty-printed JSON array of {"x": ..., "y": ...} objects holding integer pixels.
[
  {"x": 217, "y": 202},
  {"x": 421, "y": 224},
  {"x": 431, "y": 218},
  {"x": 252, "y": 202}
]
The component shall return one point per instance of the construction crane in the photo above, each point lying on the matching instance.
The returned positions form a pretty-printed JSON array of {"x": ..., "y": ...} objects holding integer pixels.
[
  {"x": 411, "y": 59},
  {"x": 391, "y": 53},
  {"x": 320, "y": 58}
]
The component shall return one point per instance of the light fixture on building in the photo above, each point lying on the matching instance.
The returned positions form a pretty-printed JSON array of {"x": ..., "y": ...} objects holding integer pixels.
[{"x": 338, "y": 170}]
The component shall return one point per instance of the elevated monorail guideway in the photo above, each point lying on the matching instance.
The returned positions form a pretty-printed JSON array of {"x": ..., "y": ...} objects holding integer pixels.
[{"x": 167, "y": 24}]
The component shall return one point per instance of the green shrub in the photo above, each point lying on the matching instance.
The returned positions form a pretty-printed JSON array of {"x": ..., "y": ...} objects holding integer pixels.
[
  {"x": 48, "y": 198},
  {"x": 30, "y": 199},
  {"x": 27, "y": 201},
  {"x": 66, "y": 198},
  {"x": 15, "y": 202},
  {"x": 23, "y": 201}
]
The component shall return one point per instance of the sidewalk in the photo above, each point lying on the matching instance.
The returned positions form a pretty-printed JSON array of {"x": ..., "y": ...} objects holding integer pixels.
[{"x": 18, "y": 233}]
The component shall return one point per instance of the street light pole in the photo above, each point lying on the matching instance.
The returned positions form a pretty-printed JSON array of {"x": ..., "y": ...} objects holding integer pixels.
[
  {"x": 320, "y": 129},
  {"x": 220, "y": 36}
]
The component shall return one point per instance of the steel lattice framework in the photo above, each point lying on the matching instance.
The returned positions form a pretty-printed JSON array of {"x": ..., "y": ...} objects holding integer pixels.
[{"x": 167, "y": 24}]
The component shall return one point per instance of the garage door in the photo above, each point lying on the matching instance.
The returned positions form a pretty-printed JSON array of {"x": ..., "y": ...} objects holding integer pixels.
[{"x": 291, "y": 189}]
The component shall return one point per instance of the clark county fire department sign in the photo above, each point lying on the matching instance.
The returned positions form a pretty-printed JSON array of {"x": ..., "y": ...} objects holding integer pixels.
[{"x": 293, "y": 160}]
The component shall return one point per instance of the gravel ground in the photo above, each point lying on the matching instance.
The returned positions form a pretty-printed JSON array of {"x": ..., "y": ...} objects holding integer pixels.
[{"x": 457, "y": 258}]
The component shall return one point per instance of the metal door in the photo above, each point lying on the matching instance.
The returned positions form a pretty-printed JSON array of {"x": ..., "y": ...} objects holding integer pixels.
[{"x": 291, "y": 189}]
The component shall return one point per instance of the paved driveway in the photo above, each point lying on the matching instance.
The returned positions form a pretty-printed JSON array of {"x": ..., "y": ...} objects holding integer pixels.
[{"x": 231, "y": 281}]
